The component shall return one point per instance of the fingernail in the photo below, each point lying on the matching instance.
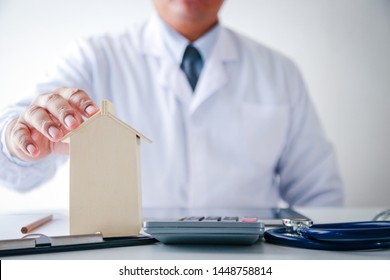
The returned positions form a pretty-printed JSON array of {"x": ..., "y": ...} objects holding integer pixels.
[
  {"x": 54, "y": 132},
  {"x": 90, "y": 110},
  {"x": 70, "y": 121},
  {"x": 31, "y": 149}
]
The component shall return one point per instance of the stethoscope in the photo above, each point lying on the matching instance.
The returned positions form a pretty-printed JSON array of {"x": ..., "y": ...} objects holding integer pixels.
[{"x": 338, "y": 236}]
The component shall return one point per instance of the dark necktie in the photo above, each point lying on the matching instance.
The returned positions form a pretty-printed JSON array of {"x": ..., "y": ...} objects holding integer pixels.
[{"x": 192, "y": 65}]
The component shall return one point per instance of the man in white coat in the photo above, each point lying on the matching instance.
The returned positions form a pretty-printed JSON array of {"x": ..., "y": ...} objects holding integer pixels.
[{"x": 231, "y": 120}]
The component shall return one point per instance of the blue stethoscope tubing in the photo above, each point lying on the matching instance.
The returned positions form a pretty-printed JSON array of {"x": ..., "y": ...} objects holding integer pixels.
[{"x": 368, "y": 235}]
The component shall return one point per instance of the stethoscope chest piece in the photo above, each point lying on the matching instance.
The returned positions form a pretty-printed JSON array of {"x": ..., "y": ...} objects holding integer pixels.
[{"x": 296, "y": 225}]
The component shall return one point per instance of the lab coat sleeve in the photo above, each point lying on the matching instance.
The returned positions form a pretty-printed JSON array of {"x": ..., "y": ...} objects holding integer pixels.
[
  {"x": 307, "y": 169},
  {"x": 72, "y": 70}
]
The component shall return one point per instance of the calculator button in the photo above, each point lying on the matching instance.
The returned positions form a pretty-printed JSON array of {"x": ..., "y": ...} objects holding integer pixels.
[
  {"x": 248, "y": 220},
  {"x": 230, "y": 219},
  {"x": 192, "y": 219},
  {"x": 212, "y": 219}
]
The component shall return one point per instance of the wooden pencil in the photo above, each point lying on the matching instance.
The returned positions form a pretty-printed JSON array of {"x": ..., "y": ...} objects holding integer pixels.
[{"x": 30, "y": 227}]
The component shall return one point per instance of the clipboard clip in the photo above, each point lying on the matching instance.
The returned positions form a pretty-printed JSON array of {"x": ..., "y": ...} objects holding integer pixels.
[{"x": 37, "y": 240}]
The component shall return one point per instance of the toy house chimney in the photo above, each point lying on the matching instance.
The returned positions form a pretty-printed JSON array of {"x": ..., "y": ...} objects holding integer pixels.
[{"x": 107, "y": 107}]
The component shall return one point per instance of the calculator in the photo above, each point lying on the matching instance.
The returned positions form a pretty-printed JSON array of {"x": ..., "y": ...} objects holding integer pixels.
[{"x": 206, "y": 230}]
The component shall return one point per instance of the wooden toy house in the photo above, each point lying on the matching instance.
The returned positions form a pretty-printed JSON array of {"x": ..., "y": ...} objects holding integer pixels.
[{"x": 105, "y": 191}]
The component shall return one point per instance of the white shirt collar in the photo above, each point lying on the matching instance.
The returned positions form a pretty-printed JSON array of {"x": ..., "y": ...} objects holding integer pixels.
[{"x": 176, "y": 43}]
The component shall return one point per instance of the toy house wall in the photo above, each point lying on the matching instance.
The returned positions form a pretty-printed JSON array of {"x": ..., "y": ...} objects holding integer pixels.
[{"x": 104, "y": 179}]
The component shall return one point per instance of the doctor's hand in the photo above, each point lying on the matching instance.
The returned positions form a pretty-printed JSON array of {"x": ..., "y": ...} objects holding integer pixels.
[{"x": 38, "y": 130}]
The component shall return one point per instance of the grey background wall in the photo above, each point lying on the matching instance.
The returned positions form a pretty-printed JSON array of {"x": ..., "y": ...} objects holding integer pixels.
[{"x": 341, "y": 46}]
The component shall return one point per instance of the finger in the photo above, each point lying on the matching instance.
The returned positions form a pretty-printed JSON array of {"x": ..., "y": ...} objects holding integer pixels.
[
  {"x": 62, "y": 112},
  {"x": 21, "y": 139},
  {"x": 38, "y": 118},
  {"x": 79, "y": 100}
]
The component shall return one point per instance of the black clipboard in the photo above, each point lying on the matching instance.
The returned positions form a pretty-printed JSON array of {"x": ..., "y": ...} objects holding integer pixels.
[{"x": 42, "y": 244}]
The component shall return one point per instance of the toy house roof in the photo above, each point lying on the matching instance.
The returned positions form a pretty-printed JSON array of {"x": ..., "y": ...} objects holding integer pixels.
[{"x": 107, "y": 110}]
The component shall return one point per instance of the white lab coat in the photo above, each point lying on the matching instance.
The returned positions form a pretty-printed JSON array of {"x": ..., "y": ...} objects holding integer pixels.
[{"x": 248, "y": 136}]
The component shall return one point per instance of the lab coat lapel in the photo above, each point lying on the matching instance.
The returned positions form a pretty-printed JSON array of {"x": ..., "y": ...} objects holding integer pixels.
[
  {"x": 169, "y": 74},
  {"x": 214, "y": 74}
]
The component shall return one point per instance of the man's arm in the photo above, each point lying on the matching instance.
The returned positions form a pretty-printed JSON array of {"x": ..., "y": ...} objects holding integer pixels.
[
  {"x": 308, "y": 169},
  {"x": 31, "y": 130}
]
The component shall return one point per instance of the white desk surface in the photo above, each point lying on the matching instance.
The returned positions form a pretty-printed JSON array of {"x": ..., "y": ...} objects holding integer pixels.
[{"x": 10, "y": 224}]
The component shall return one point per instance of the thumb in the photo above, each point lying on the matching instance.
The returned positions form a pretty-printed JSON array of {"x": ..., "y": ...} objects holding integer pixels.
[{"x": 60, "y": 148}]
